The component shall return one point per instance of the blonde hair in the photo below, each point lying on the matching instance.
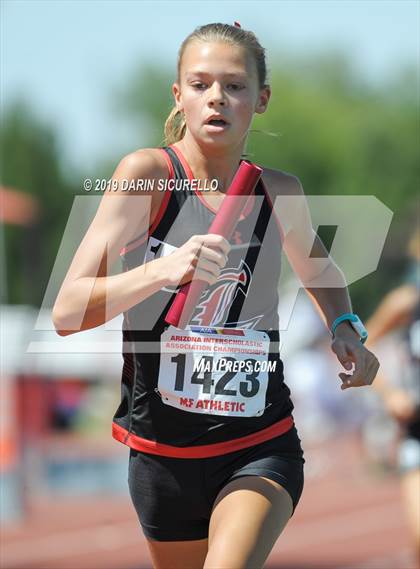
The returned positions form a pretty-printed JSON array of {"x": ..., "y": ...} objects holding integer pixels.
[{"x": 175, "y": 125}]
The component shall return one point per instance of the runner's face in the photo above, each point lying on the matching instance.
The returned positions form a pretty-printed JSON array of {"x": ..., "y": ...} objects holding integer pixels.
[{"x": 218, "y": 78}]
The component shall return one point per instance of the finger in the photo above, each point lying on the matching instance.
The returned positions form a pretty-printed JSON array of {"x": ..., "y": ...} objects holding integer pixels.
[
  {"x": 349, "y": 379},
  {"x": 346, "y": 380},
  {"x": 360, "y": 368},
  {"x": 209, "y": 266},
  {"x": 218, "y": 241},
  {"x": 216, "y": 256},
  {"x": 344, "y": 357},
  {"x": 372, "y": 371},
  {"x": 370, "y": 366},
  {"x": 364, "y": 373},
  {"x": 206, "y": 276}
]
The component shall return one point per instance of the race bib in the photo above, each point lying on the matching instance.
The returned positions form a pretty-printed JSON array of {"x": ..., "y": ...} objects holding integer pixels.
[{"x": 216, "y": 371}]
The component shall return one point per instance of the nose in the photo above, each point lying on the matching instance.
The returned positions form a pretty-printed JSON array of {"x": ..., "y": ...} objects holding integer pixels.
[{"x": 216, "y": 95}]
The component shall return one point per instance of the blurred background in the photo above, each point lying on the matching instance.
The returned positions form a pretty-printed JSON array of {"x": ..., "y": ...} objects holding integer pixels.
[{"x": 83, "y": 84}]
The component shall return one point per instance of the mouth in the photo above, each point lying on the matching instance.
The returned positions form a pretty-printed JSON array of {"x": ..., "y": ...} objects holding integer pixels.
[{"x": 216, "y": 124}]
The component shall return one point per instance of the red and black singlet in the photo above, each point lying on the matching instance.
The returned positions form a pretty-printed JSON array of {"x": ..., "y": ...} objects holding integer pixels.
[{"x": 245, "y": 296}]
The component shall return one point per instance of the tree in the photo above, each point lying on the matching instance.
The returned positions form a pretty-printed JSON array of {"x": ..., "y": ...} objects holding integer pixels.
[{"x": 30, "y": 163}]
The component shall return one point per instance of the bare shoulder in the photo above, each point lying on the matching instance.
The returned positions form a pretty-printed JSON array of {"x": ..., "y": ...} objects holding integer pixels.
[
  {"x": 280, "y": 183},
  {"x": 145, "y": 163},
  {"x": 142, "y": 169},
  {"x": 289, "y": 202},
  {"x": 121, "y": 217}
]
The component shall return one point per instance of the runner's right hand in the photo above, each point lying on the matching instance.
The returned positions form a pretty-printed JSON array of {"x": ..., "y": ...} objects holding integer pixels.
[{"x": 202, "y": 257}]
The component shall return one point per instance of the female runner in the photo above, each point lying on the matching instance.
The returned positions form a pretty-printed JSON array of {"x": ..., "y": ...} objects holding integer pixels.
[{"x": 216, "y": 464}]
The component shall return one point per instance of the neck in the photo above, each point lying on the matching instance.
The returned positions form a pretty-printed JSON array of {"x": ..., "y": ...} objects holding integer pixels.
[{"x": 218, "y": 164}]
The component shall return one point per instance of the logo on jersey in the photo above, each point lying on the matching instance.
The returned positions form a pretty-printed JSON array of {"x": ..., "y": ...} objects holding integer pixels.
[
  {"x": 203, "y": 330},
  {"x": 217, "y": 301}
]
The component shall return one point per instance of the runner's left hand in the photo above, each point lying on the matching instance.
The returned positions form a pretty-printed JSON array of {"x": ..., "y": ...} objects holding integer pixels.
[{"x": 350, "y": 351}]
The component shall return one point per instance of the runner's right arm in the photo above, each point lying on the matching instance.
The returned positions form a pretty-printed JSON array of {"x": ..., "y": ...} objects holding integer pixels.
[{"x": 89, "y": 296}]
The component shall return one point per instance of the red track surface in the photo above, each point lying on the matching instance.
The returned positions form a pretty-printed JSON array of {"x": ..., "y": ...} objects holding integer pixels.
[{"x": 348, "y": 518}]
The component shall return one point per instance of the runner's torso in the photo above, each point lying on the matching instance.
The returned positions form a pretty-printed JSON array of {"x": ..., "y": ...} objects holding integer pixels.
[{"x": 244, "y": 297}]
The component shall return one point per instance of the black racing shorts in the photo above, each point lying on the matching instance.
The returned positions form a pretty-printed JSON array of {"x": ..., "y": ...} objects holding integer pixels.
[{"x": 173, "y": 497}]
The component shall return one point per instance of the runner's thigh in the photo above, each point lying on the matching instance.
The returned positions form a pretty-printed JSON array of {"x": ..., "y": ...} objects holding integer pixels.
[
  {"x": 249, "y": 515},
  {"x": 260, "y": 491},
  {"x": 178, "y": 554}
]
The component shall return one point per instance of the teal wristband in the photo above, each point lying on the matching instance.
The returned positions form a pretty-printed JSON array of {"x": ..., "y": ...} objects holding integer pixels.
[{"x": 355, "y": 322}]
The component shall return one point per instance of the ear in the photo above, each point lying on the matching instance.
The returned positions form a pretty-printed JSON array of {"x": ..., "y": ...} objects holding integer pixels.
[
  {"x": 263, "y": 98},
  {"x": 176, "y": 91}
]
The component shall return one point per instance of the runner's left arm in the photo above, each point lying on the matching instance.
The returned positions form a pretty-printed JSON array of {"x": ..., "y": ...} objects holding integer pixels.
[{"x": 327, "y": 287}]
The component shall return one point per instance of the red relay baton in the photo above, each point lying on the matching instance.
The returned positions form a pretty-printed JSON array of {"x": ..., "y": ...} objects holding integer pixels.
[{"x": 224, "y": 224}]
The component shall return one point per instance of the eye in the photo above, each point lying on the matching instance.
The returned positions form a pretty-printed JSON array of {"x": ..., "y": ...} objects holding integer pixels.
[
  {"x": 235, "y": 86},
  {"x": 197, "y": 86}
]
